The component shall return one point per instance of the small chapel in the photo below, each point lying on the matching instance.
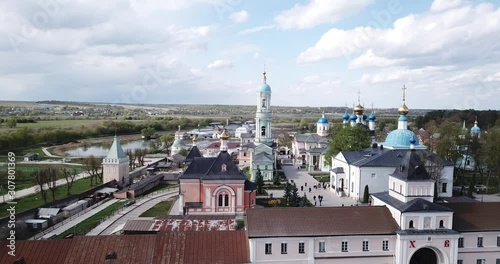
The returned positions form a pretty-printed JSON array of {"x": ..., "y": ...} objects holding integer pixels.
[
  {"x": 115, "y": 166},
  {"x": 214, "y": 185}
]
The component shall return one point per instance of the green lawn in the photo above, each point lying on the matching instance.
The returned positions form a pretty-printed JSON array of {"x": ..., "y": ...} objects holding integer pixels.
[
  {"x": 24, "y": 174},
  {"x": 65, "y": 123},
  {"x": 35, "y": 200},
  {"x": 322, "y": 178},
  {"x": 161, "y": 208},
  {"x": 90, "y": 223}
]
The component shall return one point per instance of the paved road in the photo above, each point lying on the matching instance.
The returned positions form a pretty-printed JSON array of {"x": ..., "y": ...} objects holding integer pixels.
[
  {"x": 132, "y": 212},
  {"x": 301, "y": 177}
]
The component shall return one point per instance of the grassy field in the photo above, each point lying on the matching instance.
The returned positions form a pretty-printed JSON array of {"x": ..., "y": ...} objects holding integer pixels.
[
  {"x": 35, "y": 200},
  {"x": 24, "y": 174},
  {"x": 161, "y": 208},
  {"x": 61, "y": 123},
  {"x": 88, "y": 224}
]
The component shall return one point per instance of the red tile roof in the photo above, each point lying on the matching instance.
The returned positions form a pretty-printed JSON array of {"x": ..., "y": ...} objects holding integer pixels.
[
  {"x": 164, "y": 247},
  {"x": 471, "y": 217},
  {"x": 320, "y": 221}
]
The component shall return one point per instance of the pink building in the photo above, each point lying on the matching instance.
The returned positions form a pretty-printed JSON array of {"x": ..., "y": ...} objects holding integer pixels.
[{"x": 215, "y": 185}]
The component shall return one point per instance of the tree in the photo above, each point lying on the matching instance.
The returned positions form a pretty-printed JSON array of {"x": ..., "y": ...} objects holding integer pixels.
[
  {"x": 288, "y": 192},
  {"x": 471, "y": 188},
  {"x": 259, "y": 181},
  {"x": 449, "y": 139},
  {"x": 347, "y": 138},
  {"x": 148, "y": 132},
  {"x": 11, "y": 122},
  {"x": 366, "y": 195},
  {"x": 294, "y": 196},
  {"x": 167, "y": 139},
  {"x": 276, "y": 178},
  {"x": 93, "y": 167},
  {"x": 69, "y": 176},
  {"x": 491, "y": 153},
  {"x": 183, "y": 152},
  {"x": 52, "y": 181},
  {"x": 131, "y": 159},
  {"x": 41, "y": 178}
]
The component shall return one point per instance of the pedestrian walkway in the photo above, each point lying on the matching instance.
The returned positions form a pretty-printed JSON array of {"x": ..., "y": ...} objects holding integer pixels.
[
  {"x": 132, "y": 212},
  {"x": 76, "y": 220},
  {"x": 302, "y": 178}
]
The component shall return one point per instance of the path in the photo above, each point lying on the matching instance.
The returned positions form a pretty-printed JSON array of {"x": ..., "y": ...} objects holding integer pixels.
[
  {"x": 75, "y": 220},
  {"x": 132, "y": 212},
  {"x": 35, "y": 189},
  {"x": 301, "y": 177}
]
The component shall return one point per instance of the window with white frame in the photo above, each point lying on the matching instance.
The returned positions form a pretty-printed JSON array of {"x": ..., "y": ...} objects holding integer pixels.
[
  {"x": 345, "y": 246},
  {"x": 302, "y": 247},
  {"x": 480, "y": 242},
  {"x": 460, "y": 242},
  {"x": 460, "y": 261},
  {"x": 498, "y": 261},
  {"x": 498, "y": 241},
  {"x": 365, "y": 245},
  {"x": 481, "y": 261},
  {"x": 322, "y": 246},
  {"x": 284, "y": 248},
  {"x": 374, "y": 175},
  {"x": 269, "y": 248},
  {"x": 385, "y": 245}
]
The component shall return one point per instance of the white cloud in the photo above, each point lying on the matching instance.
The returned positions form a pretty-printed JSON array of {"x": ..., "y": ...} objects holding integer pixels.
[
  {"x": 255, "y": 29},
  {"x": 318, "y": 12},
  {"x": 220, "y": 64},
  {"x": 465, "y": 33},
  {"x": 239, "y": 17},
  {"x": 440, "y": 5}
]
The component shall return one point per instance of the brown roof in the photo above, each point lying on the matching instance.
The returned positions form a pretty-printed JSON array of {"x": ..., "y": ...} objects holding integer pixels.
[
  {"x": 317, "y": 221},
  {"x": 164, "y": 247},
  {"x": 470, "y": 217}
]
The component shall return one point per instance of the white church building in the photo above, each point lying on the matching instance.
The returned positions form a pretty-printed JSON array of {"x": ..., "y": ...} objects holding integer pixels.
[
  {"x": 401, "y": 226},
  {"x": 353, "y": 170}
]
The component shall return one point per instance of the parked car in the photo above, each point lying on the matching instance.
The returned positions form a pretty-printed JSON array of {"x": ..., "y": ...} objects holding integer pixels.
[{"x": 129, "y": 202}]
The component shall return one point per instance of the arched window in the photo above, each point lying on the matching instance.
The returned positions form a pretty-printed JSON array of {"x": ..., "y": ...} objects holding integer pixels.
[
  {"x": 226, "y": 200},
  {"x": 263, "y": 131},
  {"x": 264, "y": 102},
  {"x": 394, "y": 186},
  {"x": 220, "y": 200},
  {"x": 441, "y": 224},
  {"x": 411, "y": 224}
]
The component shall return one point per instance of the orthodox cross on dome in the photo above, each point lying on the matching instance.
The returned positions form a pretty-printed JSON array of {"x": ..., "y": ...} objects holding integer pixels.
[
  {"x": 404, "y": 92},
  {"x": 359, "y": 97},
  {"x": 264, "y": 73}
]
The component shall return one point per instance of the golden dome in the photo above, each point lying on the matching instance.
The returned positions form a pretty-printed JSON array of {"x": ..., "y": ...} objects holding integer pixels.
[
  {"x": 359, "y": 110},
  {"x": 195, "y": 137},
  {"x": 224, "y": 135},
  {"x": 403, "y": 109}
]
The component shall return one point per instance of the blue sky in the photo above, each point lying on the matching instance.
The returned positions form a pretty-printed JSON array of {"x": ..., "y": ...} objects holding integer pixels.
[{"x": 316, "y": 52}]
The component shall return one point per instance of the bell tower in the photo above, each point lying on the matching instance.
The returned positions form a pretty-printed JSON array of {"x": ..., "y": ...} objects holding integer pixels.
[{"x": 263, "y": 114}]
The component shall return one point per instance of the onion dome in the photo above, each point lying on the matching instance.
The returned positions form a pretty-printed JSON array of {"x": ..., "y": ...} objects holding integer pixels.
[
  {"x": 475, "y": 129},
  {"x": 365, "y": 117},
  {"x": 403, "y": 109},
  {"x": 359, "y": 110},
  {"x": 372, "y": 117},
  {"x": 345, "y": 116},
  {"x": 323, "y": 120},
  {"x": 354, "y": 117},
  {"x": 224, "y": 135},
  {"x": 265, "y": 87}
]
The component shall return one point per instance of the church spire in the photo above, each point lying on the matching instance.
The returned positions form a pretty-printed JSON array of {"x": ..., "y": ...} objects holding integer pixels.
[{"x": 403, "y": 109}]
